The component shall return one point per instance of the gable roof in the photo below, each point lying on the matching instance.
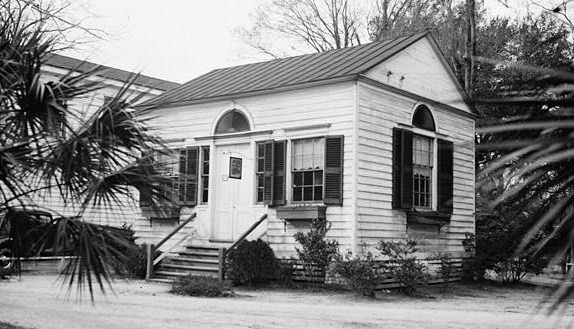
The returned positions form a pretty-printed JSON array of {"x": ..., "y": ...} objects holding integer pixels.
[
  {"x": 285, "y": 72},
  {"x": 73, "y": 64}
]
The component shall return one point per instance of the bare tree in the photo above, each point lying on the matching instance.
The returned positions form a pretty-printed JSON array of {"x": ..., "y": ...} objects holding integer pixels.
[
  {"x": 320, "y": 25},
  {"x": 470, "y": 45},
  {"x": 64, "y": 20},
  {"x": 398, "y": 17}
]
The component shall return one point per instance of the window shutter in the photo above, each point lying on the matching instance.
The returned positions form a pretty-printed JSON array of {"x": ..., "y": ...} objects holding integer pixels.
[
  {"x": 268, "y": 173},
  {"x": 188, "y": 173},
  {"x": 279, "y": 152},
  {"x": 402, "y": 169},
  {"x": 145, "y": 197},
  {"x": 145, "y": 193},
  {"x": 333, "y": 191},
  {"x": 445, "y": 176}
]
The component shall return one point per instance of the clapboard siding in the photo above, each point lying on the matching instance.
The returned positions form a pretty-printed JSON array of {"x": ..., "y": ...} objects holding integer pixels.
[
  {"x": 418, "y": 69},
  {"x": 116, "y": 213},
  {"x": 329, "y": 107},
  {"x": 379, "y": 112}
]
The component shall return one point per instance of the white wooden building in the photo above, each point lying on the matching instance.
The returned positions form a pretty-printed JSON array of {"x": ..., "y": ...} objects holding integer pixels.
[
  {"x": 377, "y": 138},
  {"x": 112, "y": 80}
]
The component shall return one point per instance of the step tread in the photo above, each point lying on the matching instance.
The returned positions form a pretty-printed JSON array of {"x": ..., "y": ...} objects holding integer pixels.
[
  {"x": 203, "y": 248},
  {"x": 192, "y": 260},
  {"x": 198, "y": 253},
  {"x": 189, "y": 267},
  {"x": 163, "y": 274},
  {"x": 161, "y": 280}
]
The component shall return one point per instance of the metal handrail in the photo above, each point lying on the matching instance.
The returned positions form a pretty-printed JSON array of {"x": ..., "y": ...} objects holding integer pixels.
[{"x": 151, "y": 247}]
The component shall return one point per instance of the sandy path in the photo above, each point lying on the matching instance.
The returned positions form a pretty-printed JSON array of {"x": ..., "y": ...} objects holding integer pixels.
[{"x": 38, "y": 302}]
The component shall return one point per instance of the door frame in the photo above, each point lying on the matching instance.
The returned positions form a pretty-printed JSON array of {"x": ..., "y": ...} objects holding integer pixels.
[{"x": 243, "y": 140}]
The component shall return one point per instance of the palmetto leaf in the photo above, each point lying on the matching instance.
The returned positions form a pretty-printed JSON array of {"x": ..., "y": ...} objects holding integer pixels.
[
  {"x": 46, "y": 144},
  {"x": 536, "y": 161}
]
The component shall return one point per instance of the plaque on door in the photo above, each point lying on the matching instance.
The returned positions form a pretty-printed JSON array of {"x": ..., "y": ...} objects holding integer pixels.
[{"x": 235, "y": 167}]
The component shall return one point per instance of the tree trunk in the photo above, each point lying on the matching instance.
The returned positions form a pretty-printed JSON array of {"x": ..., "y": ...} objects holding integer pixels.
[{"x": 469, "y": 49}]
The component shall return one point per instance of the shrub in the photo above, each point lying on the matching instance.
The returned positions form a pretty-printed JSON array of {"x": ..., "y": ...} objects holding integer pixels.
[
  {"x": 134, "y": 264},
  {"x": 361, "y": 276},
  {"x": 316, "y": 252},
  {"x": 252, "y": 262},
  {"x": 402, "y": 265},
  {"x": 195, "y": 285},
  {"x": 445, "y": 265}
]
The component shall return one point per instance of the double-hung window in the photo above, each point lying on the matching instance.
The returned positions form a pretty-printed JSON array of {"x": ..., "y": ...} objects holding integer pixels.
[
  {"x": 204, "y": 174},
  {"x": 307, "y": 166},
  {"x": 315, "y": 166},
  {"x": 422, "y": 166},
  {"x": 187, "y": 178},
  {"x": 422, "y": 171}
]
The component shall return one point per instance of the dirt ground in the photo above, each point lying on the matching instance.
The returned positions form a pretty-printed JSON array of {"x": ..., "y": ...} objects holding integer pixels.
[{"x": 39, "y": 302}]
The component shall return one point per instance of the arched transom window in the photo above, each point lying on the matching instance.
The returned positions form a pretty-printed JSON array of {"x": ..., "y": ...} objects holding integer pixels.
[
  {"x": 232, "y": 122},
  {"x": 423, "y": 159},
  {"x": 423, "y": 118}
]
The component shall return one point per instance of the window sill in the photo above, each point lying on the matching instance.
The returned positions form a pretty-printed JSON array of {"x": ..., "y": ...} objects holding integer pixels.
[
  {"x": 302, "y": 212},
  {"x": 428, "y": 217}
]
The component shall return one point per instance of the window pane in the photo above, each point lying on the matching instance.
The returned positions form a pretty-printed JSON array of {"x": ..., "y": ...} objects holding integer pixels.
[
  {"x": 307, "y": 154},
  {"x": 318, "y": 177},
  {"x": 297, "y": 156},
  {"x": 259, "y": 195},
  {"x": 231, "y": 122},
  {"x": 318, "y": 195},
  {"x": 298, "y": 179},
  {"x": 308, "y": 193},
  {"x": 319, "y": 149},
  {"x": 260, "y": 164},
  {"x": 297, "y": 194},
  {"x": 308, "y": 178},
  {"x": 260, "y": 149}
]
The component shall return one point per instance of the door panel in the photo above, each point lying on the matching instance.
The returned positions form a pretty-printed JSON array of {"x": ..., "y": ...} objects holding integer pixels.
[{"x": 234, "y": 196}]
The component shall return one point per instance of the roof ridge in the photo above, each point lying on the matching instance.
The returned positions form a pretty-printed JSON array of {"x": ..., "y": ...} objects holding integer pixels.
[
  {"x": 330, "y": 51},
  {"x": 52, "y": 59},
  {"x": 289, "y": 71}
]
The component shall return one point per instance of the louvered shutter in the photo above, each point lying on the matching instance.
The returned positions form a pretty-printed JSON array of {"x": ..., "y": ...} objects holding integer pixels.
[
  {"x": 279, "y": 151},
  {"x": 333, "y": 191},
  {"x": 445, "y": 176},
  {"x": 188, "y": 176},
  {"x": 268, "y": 173},
  {"x": 402, "y": 169},
  {"x": 145, "y": 193}
]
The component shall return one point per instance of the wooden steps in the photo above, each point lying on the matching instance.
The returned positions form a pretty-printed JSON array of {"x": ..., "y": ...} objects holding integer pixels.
[{"x": 197, "y": 260}]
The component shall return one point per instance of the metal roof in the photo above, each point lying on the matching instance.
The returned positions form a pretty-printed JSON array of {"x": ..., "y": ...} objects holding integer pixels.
[
  {"x": 291, "y": 71},
  {"x": 73, "y": 64}
]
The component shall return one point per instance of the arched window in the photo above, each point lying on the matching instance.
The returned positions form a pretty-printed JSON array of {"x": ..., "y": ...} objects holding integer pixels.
[
  {"x": 232, "y": 122},
  {"x": 423, "y": 118}
]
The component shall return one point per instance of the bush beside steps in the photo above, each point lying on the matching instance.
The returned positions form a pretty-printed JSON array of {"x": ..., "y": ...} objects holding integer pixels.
[{"x": 202, "y": 286}]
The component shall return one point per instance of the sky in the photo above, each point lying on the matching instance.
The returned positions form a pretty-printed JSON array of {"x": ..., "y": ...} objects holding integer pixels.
[{"x": 175, "y": 40}]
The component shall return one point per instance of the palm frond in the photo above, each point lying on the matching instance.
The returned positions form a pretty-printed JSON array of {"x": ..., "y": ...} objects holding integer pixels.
[{"x": 535, "y": 157}]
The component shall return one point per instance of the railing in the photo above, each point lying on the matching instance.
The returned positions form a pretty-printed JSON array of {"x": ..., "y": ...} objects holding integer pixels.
[
  {"x": 223, "y": 252},
  {"x": 151, "y": 248}
]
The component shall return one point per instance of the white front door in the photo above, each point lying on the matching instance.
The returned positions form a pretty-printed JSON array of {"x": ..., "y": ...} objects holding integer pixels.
[{"x": 233, "y": 197}]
